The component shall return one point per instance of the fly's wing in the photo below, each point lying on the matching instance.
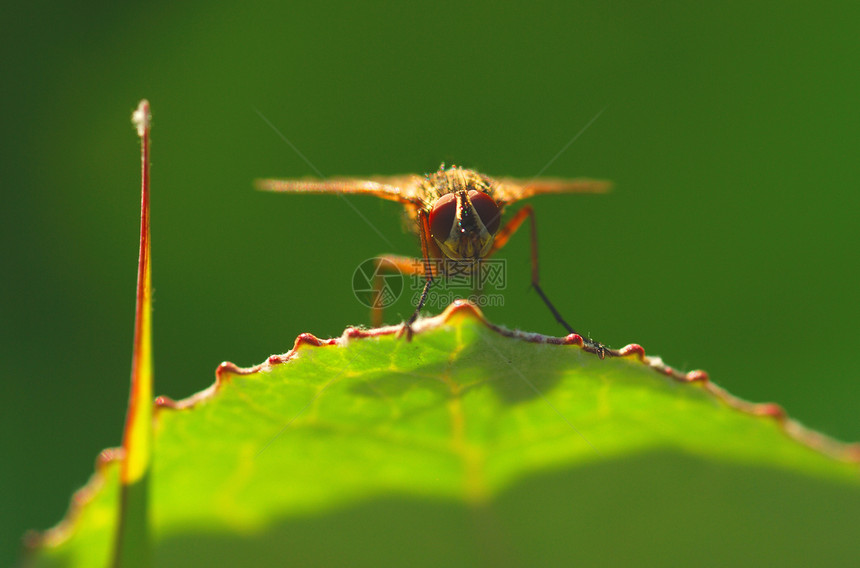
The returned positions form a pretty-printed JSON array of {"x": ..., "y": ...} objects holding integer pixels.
[
  {"x": 403, "y": 189},
  {"x": 509, "y": 190}
]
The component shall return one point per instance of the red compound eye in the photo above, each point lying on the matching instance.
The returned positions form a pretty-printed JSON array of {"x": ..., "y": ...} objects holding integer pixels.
[
  {"x": 487, "y": 210},
  {"x": 442, "y": 216}
]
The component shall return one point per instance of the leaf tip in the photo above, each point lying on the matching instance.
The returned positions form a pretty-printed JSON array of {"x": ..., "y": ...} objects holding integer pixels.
[{"x": 142, "y": 118}]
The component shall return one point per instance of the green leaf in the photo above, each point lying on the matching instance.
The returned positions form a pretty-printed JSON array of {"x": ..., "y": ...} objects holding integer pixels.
[{"x": 473, "y": 445}]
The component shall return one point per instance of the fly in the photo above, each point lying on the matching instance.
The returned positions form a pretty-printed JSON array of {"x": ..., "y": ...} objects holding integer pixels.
[{"x": 457, "y": 213}]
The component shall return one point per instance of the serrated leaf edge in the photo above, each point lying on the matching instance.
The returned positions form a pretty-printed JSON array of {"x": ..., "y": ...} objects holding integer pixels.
[{"x": 844, "y": 452}]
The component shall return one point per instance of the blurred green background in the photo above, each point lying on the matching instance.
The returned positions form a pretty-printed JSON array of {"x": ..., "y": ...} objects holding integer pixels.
[{"x": 728, "y": 244}]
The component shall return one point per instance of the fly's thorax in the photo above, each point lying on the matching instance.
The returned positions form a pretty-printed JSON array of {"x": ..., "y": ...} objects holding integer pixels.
[{"x": 454, "y": 180}]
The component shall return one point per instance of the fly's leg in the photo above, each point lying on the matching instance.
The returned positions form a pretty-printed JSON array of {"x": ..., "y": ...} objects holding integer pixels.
[
  {"x": 424, "y": 233},
  {"x": 389, "y": 263},
  {"x": 501, "y": 239},
  {"x": 407, "y": 266}
]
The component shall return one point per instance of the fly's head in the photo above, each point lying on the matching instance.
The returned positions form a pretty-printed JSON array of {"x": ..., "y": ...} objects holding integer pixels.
[{"x": 464, "y": 223}]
